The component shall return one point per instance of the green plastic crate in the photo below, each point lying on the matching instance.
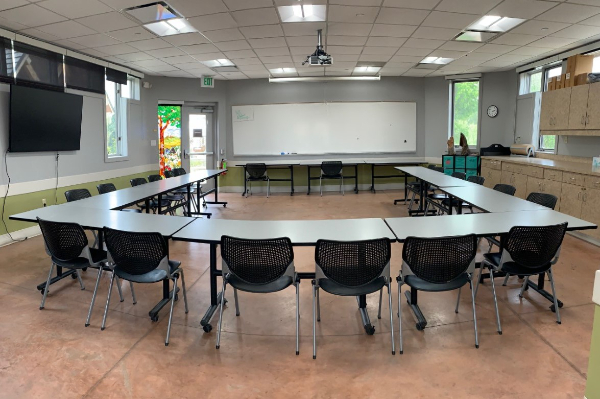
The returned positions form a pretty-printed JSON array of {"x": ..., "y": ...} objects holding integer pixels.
[
  {"x": 459, "y": 162},
  {"x": 472, "y": 162},
  {"x": 448, "y": 171},
  {"x": 448, "y": 162},
  {"x": 471, "y": 172}
]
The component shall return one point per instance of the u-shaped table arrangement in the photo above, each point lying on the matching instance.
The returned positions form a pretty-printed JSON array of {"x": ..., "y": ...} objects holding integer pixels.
[{"x": 500, "y": 213}]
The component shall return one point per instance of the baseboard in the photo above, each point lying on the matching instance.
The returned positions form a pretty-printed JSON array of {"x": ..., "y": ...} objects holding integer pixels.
[
  {"x": 582, "y": 236},
  {"x": 313, "y": 188},
  {"x": 20, "y": 235}
]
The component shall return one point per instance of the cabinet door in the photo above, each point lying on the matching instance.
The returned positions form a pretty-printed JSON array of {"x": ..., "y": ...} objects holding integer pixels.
[
  {"x": 590, "y": 209},
  {"x": 520, "y": 183},
  {"x": 547, "y": 113},
  {"x": 593, "y": 118},
  {"x": 492, "y": 177},
  {"x": 554, "y": 188},
  {"x": 579, "y": 107},
  {"x": 561, "y": 109},
  {"x": 571, "y": 199},
  {"x": 506, "y": 178},
  {"x": 534, "y": 185}
]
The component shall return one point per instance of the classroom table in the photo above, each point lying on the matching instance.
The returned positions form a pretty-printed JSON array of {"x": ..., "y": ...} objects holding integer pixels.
[
  {"x": 300, "y": 232},
  {"x": 97, "y": 219},
  {"x": 391, "y": 162},
  {"x": 311, "y": 165},
  {"x": 482, "y": 225},
  {"x": 269, "y": 165}
]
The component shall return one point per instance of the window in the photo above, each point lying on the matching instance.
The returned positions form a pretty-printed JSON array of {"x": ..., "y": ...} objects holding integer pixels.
[
  {"x": 530, "y": 82},
  {"x": 132, "y": 89},
  {"x": 548, "y": 143},
  {"x": 465, "y": 111},
  {"x": 116, "y": 120}
]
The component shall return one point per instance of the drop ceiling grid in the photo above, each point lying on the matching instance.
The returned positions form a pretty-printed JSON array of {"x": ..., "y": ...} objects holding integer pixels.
[{"x": 100, "y": 28}]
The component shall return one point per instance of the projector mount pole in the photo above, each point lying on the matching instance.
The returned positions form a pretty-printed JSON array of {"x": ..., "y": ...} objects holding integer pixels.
[{"x": 320, "y": 45}]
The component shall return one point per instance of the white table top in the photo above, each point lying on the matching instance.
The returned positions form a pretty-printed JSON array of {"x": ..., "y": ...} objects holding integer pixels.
[
  {"x": 433, "y": 177},
  {"x": 481, "y": 224},
  {"x": 99, "y": 218},
  {"x": 397, "y": 161},
  {"x": 301, "y": 232},
  {"x": 279, "y": 162},
  {"x": 491, "y": 200}
]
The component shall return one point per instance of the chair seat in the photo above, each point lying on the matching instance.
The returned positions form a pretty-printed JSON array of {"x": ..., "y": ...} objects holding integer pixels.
[
  {"x": 174, "y": 197},
  {"x": 131, "y": 210},
  {"x": 334, "y": 288},
  {"x": 98, "y": 256},
  {"x": 513, "y": 267},
  {"x": 338, "y": 176},
  {"x": 455, "y": 203},
  {"x": 422, "y": 285},
  {"x": 438, "y": 197},
  {"x": 154, "y": 276},
  {"x": 262, "y": 178},
  {"x": 154, "y": 204},
  {"x": 281, "y": 283}
]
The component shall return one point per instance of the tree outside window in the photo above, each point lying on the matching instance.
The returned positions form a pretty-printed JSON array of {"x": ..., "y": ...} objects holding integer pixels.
[{"x": 465, "y": 112}]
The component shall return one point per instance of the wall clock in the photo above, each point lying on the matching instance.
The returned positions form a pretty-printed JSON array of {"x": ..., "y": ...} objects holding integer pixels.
[{"x": 492, "y": 111}]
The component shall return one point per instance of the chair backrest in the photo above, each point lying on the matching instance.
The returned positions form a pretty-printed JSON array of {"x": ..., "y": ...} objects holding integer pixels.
[
  {"x": 137, "y": 181},
  {"x": 169, "y": 174},
  {"x": 543, "y": 199},
  {"x": 256, "y": 170},
  {"x": 257, "y": 261},
  {"x": 476, "y": 179},
  {"x": 459, "y": 175},
  {"x": 505, "y": 188},
  {"x": 438, "y": 169},
  {"x": 106, "y": 188},
  {"x": 136, "y": 253},
  {"x": 431, "y": 166},
  {"x": 154, "y": 178},
  {"x": 439, "y": 260},
  {"x": 64, "y": 241},
  {"x": 179, "y": 171},
  {"x": 77, "y": 194},
  {"x": 535, "y": 247},
  {"x": 353, "y": 263},
  {"x": 331, "y": 168}
]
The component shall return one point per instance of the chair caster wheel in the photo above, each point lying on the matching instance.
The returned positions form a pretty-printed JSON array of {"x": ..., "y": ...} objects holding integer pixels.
[
  {"x": 166, "y": 344},
  {"x": 558, "y": 322},
  {"x": 370, "y": 330},
  {"x": 154, "y": 318},
  {"x": 74, "y": 276},
  {"x": 476, "y": 346},
  {"x": 297, "y": 353},
  {"x": 499, "y": 332},
  {"x": 87, "y": 325},
  {"x": 420, "y": 327},
  {"x": 207, "y": 328},
  {"x": 553, "y": 309}
]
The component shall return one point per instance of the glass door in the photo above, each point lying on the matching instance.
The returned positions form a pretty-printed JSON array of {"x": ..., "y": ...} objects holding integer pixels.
[
  {"x": 198, "y": 138},
  {"x": 169, "y": 137}
]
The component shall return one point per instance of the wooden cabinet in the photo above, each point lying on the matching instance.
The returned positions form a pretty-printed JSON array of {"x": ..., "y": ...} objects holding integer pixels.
[
  {"x": 516, "y": 180},
  {"x": 551, "y": 174},
  {"x": 591, "y": 181},
  {"x": 555, "y": 109},
  {"x": 537, "y": 185},
  {"x": 534, "y": 185},
  {"x": 590, "y": 209},
  {"x": 491, "y": 164},
  {"x": 571, "y": 199},
  {"x": 573, "y": 178},
  {"x": 492, "y": 177},
  {"x": 578, "y": 107},
  {"x": 593, "y": 117}
]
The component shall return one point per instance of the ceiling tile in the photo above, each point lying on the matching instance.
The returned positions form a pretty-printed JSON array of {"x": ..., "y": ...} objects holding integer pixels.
[
  {"x": 420, "y": 4},
  {"x": 440, "y": 19},
  {"x": 413, "y": 51},
  {"x": 338, "y": 50},
  {"x": 208, "y": 56},
  {"x": 467, "y": 61},
  {"x": 31, "y": 15},
  {"x": 69, "y": 44},
  {"x": 94, "y": 40},
  {"x": 66, "y": 29},
  {"x": 446, "y": 54},
  {"x": 495, "y": 48},
  {"x": 166, "y": 68},
  {"x": 180, "y": 59},
  {"x": 117, "y": 49},
  {"x": 300, "y": 41},
  {"x": 11, "y": 25},
  {"x": 269, "y": 42},
  {"x": 213, "y": 22},
  {"x": 552, "y": 42},
  {"x": 301, "y": 50},
  {"x": 534, "y": 27},
  {"x": 304, "y": 29},
  {"x": 121, "y": 4},
  {"x": 405, "y": 59},
  {"x": 131, "y": 34},
  {"x": 186, "y": 39},
  {"x": 346, "y": 41},
  {"x": 401, "y": 16},
  {"x": 380, "y": 50},
  {"x": 200, "y": 49},
  {"x": 233, "y": 45},
  {"x": 165, "y": 52},
  {"x": 361, "y": 15},
  {"x": 393, "y": 30},
  {"x": 460, "y": 46},
  {"x": 425, "y": 32},
  {"x": 133, "y": 57},
  {"x": 276, "y": 60},
  {"x": 374, "y": 57},
  {"x": 521, "y": 9},
  {"x": 7, "y": 4},
  {"x": 151, "y": 44},
  {"x": 107, "y": 22},
  {"x": 594, "y": 21},
  {"x": 258, "y": 16},
  {"x": 527, "y": 50},
  {"x": 33, "y": 32},
  {"x": 246, "y": 61},
  {"x": 578, "y": 32},
  {"x": 346, "y": 57},
  {"x": 248, "y": 68},
  {"x": 235, "y": 5},
  {"x": 417, "y": 72},
  {"x": 193, "y": 8},
  {"x": 375, "y": 3},
  {"x": 467, "y": 6},
  {"x": 344, "y": 29},
  {"x": 423, "y": 43},
  {"x": 272, "y": 51},
  {"x": 224, "y": 35},
  {"x": 240, "y": 54},
  {"x": 93, "y": 52},
  {"x": 257, "y": 74},
  {"x": 259, "y": 32},
  {"x": 385, "y": 41},
  {"x": 75, "y": 9},
  {"x": 568, "y": 13},
  {"x": 515, "y": 39}
]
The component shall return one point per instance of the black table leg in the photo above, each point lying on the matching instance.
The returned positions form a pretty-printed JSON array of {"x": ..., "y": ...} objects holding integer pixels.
[
  {"x": 216, "y": 191},
  {"x": 362, "y": 307},
  {"x": 147, "y": 205},
  {"x": 292, "y": 178},
  {"x": 159, "y": 211},
  {"x": 405, "y": 190},
  {"x": 308, "y": 171},
  {"x": 245, "y": 182},
  {"x": 59, "y": 276},
  {"x": 412, "y": 300},
  {"x": 189, "y": 198},
  {"x": 539, "y": 288},
  {"x": 356, "y": 179},
  {"x": 373, "y": 178},
  {"x": 215, "y": 298}
]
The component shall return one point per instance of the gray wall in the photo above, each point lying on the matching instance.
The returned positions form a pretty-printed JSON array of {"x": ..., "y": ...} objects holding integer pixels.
[
  {"x": 499, "y": 89},
  {"x": 24, "y": 167},
  {"x": 578, "y": 146}
]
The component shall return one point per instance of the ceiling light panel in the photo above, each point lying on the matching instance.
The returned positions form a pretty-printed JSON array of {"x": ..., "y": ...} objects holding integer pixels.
[
  {"x": 222, "y": 62},
  {"x": 280, "y": 71},
  {"x": 303, "y": 13},
  {"x": 436, "y": 60},
  {"x": 478, "y": 37},
  {"x": 493, "y": 23},
  {"x": 159, "y": 11},
  {"x": 170, "y": 27}
]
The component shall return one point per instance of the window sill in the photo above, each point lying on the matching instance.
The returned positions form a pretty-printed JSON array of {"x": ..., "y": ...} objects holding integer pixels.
[{"x": 108, "y": 159}]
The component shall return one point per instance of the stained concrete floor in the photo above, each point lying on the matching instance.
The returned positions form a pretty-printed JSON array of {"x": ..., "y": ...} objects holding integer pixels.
[{"x": 50, "y": 354}]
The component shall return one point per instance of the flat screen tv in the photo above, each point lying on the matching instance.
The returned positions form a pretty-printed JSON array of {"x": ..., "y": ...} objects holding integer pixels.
[{"x": 44, "y": 120}]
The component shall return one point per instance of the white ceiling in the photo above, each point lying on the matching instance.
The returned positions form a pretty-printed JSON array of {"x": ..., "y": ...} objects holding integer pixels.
[{"x": 399, "y": 33}]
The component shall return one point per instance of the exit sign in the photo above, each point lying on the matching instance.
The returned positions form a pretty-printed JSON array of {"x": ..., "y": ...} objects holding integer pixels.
[{"x": 208, "y": 81}]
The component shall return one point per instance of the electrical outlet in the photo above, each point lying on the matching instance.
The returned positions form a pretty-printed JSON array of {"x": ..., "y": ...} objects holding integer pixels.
[
  {"x": 222, "y": 151},
  {"x": 44, "y": 202}
]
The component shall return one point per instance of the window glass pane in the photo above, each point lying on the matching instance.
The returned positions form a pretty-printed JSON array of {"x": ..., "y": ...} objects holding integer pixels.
[
  {"x": 38, "y": 66},
  {"x": 535, "y": 82},
  {"x": 548, "y": 142},
  {"x": 125, "y": 91},
  {"x": 554, "y": 72},
  {"x": 111, "y": 119},
  {"x": 596, "y": 65},
  {"x": 466, "y": 111}
]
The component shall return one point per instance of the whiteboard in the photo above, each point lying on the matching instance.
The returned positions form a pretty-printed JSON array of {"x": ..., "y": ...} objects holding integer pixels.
[{"x": 325, "y": 128}]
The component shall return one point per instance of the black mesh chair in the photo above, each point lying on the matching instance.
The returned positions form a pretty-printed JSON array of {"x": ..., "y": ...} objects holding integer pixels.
[
  {"x": 543, "y": 199},
  {"x": 179, "y": 171},
  {"x": 437, "y": 265},
  {"x": 258, "y": 266},
  {"x": 505, "y": 188},
  {"x": 138, "y": 181},
  {"x": 527, "y": 251},
  {"x": 332, "y": 170},
  {"x": 415, "y": 187},
  {"x": 109, "y": 188},
  {"x": 169, "y": 174},
  {"x": 77, "y": 194},
  {"x": 458, "y": 203},
  {"x": 257, "y": 172},
  {"x": 351, "y": 268},
  {"x": 174, "y": 199},
  {"x": 142, "y": 258},
  {"x": 183, "y": 190}
]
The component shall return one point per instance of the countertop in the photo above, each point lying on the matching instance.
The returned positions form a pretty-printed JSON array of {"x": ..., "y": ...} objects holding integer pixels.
[{"x": 569, "y": 166}]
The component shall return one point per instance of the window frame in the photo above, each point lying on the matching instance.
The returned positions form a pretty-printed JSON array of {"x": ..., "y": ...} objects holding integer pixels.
[
  {"x": 545, "y": 73},
  {"x": 122, "y": 126},
  {"x": 451, "y": 111}
]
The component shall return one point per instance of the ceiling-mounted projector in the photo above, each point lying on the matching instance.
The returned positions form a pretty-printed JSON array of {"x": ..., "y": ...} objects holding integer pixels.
[{"x": 319, "y": 57}]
